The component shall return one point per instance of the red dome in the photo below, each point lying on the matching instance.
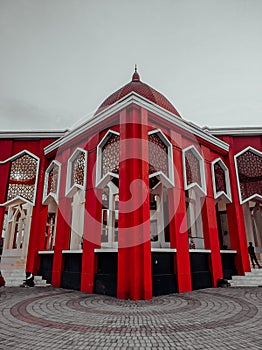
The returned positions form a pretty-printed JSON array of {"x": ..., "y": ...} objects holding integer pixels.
[{"x": 142, "y": 89}]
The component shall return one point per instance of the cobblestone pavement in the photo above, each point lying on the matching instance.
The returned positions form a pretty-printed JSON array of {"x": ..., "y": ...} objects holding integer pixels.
[{"x": 50, "y": 318}]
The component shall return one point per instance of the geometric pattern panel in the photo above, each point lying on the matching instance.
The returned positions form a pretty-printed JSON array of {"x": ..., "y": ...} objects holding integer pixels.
[
  {"x": 78, "y": 169},
  {"x": 157, "y": 154},
  {"x": 220, "y": 178},
  {"x": 249, "y": 167},
  {"x": 110, "y": 155},
  {"x": 193, "y": 173},
  {"x": 53, "y": 175},
  {"x": 22, "y": 178}
]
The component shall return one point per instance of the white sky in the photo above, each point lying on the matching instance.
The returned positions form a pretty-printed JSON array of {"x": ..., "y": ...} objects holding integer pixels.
[{"x": 60, "y": 59}]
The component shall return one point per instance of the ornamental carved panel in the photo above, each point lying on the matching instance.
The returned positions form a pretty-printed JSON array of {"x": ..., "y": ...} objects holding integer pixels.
[
  {"x": 157, "y": 155},
  {"x": 220, "y": 179},
  {"x": 249, "y": 167},
  {"x": 110, "y": 155},
  {"x": 53, "y": 175},
  {"x": 78, "y": 170},
  {"x": 22, "y": 178},
  {"x": 193, "y": 174}
]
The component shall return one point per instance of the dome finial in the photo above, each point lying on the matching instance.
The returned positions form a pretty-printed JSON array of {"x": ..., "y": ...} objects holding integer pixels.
[{"x": 136, "y": 76}]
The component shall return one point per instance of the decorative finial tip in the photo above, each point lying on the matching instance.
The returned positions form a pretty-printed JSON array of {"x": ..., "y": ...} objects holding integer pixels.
[{"x": 136, "y": 76}]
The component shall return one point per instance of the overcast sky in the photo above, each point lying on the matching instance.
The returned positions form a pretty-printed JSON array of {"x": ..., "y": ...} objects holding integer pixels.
[{"x": 61, "y": 58}]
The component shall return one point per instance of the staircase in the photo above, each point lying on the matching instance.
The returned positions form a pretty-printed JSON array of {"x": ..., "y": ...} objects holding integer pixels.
[
  {"x": 13, "y": 271},
  {"x": 250, "y": 279},
  {"x": 39, "y": 282},
  {"x": 15, "y": 278}
]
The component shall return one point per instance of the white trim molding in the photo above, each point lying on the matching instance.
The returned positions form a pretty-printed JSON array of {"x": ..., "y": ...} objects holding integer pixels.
[
  {"x": 200, "y": 251},
  {"x": 163, "y": 250},
  {"x": 17, "y": 156},
  {"x": 24, "y": 135},
  {"x": 47, "y": 195},
  {"x": 73, "y": 251},
  {"x": 217, "y": 194},
  {"x": 201, "y": 189},
  {"x": 45, "y": 252},
  {"x": 101, "y": 181},
  {"x": 72, "y": 188},
  {"x": 167, "y": 180},
  {"x": 254, "y": 195},
  {"x": 134, "y": 98},
  {"x": 105, "y": 250},
  {"x": 241, "y": 131},
  {"x": 229, "y": 251}
]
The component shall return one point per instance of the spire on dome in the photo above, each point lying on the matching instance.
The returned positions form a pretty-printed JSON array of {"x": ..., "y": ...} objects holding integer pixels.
[{"x": 135, "y": 76}]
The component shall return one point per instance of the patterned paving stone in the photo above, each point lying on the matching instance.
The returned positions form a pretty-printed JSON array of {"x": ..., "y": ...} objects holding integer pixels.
[{"x": 41, "y": 318}]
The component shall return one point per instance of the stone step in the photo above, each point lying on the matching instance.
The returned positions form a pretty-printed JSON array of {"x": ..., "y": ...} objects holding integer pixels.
[
  {"x": 13, "y": 279},
  {"x": 250, "y": 279},
  {"x": 249, "y": 275},
  {"x": 14, "y": 282},
  {"x": 11, "y": 265},
  {"x": 255, "y": 271},
  {"x": 43, "y": 284},
  {"x": 13, "y": 275},
  {"x": 18, "y": 281},
  {"x": 40, "y": 282},
  {"x": 11, "y": 258},
  {"x": 9, "y": 270},
  {"x": 244, "y": 284},
  {"x": 247, "y": 280}
]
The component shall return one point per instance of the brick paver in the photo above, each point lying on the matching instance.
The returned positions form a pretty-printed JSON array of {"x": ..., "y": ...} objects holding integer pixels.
[{"x": 50, "y": 318}]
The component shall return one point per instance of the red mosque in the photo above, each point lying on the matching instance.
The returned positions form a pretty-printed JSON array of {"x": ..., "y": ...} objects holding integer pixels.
[{"x": 135, "y": 202}]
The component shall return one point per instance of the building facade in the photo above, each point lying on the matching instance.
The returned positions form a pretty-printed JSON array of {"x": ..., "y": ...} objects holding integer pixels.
[{"x": 134, "y": 202}]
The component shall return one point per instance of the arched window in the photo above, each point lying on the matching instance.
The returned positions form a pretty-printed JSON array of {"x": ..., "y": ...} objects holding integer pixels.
[
  {"x": 50, "y": 231},
  {"x": 195, "y": 186},
  {"x": 194, "y": 218},
  {"x": 17, "y": 228},
  {"x": 110, "y": 201}
]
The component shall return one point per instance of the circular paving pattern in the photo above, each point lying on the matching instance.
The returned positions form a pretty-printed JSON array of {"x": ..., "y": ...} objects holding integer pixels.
[{"x": 41, "y": 318}]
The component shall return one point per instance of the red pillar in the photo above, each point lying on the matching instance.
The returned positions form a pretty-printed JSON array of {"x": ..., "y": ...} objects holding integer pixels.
[
  {"x": 2, "y": 214},
  {"x": 236, "y": 227},
  {"x": 63, "y": 223},
  {"x": 38, "y": 223},
  {"x": 6, "y": 152},
  {"x": 209, "y": 220},
  {"x": 178, "y": 221},
  {"x": 236, "y": 223},
  {"x": 92, "y": 225},
  {"x": 134, "y": 250},
  {"x": 37, "y": 232}
]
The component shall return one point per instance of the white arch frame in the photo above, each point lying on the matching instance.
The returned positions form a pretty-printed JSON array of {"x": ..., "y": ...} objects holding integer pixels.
[
  {"x": 168, "y": 181},
  {"x": 227, "y": 194},
  {"x": 201, "y": 189},
  {"x": 255, "y": 195},
  {"x": 14, "y": 157},
  {"x": 72, "y": 188},
  {"x": 101, "y": 181},
  {"x": 51, "y": 194}
]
